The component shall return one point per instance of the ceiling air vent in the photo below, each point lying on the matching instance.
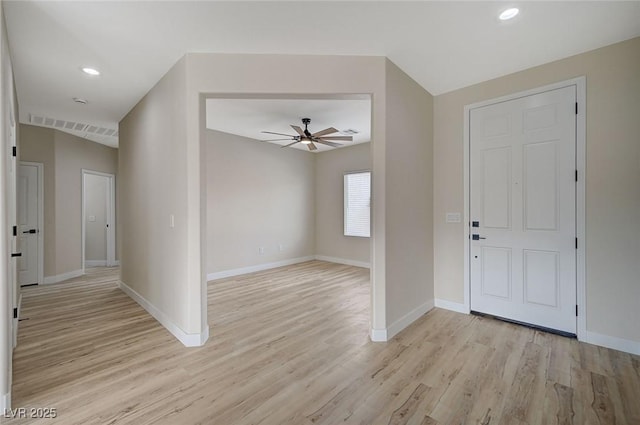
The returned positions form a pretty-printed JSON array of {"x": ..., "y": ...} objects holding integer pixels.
[
  {"x": 72, "y": 126},
  {"x": 349, "y": 132},
  {"x": 95, "y": 133}
]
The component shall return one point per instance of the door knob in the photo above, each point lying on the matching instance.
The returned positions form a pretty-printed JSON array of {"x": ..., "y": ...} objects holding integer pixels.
[{"x": 477, "y": 237}]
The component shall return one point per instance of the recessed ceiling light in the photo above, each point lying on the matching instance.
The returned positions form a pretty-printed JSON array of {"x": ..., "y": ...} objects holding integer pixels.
[
  {"x": 509, "y": 14},
  {"x": 80, "y": 100},
  {"x": 90, "y": 71}
]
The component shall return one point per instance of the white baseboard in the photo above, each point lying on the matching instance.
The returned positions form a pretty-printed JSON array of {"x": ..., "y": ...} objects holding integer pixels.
[
  {"x": 189, "y": 340},
  {"x": 257, "y": 268},
  {"x": 267, "y": 266},
  {"x": 613, "y": 342},
  {"x": 408, "y": 319},
  {"x": 63, "y": 276},
  {"x": 5, "y": 403},
  {"x": 204, "y": 336},
  {"x": 343, "y": 261},
  {"x": 381, "y": 335},
  {"x": 378, "y": 335},
  {"x": 100, "y": 263},
  {"x": 453, "y": 306}
]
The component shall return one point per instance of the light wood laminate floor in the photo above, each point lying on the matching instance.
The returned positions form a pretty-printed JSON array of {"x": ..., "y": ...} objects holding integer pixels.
[{"x": 290, "y": 346}]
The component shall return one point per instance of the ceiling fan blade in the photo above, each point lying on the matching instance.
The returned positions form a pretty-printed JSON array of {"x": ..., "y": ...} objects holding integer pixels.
[
  {"x": 311, "y": 146},
  {"x": 298, "y": 130},
  {"x": 329, "y": 130},
  {"x": 346, "y": 138},
  {"x": 279, "y": 134},
  {"x": 324, "y": 142},
  {"x": 274, "y": 140},
  {"x": 286, "y": 146}
]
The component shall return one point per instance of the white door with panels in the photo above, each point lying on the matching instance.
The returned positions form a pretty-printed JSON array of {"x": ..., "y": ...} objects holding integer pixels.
[
  {"x": 523, "y": 209},
  {"x": 28, "y": 231}
]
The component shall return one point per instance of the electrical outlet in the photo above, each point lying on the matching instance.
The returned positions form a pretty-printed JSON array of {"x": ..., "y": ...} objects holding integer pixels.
[{"x": 261, "y": 250}]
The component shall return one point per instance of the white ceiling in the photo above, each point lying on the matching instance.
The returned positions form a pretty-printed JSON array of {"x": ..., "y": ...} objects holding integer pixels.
[
  {"x": 249, "y": 117},
  {"x": 442, "y": 45}
]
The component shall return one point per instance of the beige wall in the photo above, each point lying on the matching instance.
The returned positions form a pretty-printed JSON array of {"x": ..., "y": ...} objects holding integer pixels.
[
  {"x": 72, "y": 155},
  {"x": 330, "y": 169},
  {"x": 64, "y": 156},
  {"x": 155, "y": 257},
  {"x": 612, "y": 177},
  {"x": 258, "y": 195},
  {"x": 409, "y": 200}
]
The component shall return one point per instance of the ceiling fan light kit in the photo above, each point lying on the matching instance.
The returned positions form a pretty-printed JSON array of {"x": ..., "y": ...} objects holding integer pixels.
[{"x": 309, "y": 139}]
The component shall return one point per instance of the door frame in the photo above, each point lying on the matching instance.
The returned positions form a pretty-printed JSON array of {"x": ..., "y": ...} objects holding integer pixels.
[
  {"x": 111, "y": 216},
  {"x": 40, "y": 167},
  {"x": 581, "y": 85}
]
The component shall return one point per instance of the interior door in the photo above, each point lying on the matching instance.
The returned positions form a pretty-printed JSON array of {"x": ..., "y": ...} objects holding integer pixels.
[
  {"x": 523, "y": 216},
  {"x": 28, "y": 224}
]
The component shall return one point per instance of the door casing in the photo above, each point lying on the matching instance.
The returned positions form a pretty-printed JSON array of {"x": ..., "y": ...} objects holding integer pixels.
[
  {"x": 111, "y": 217},
  {"x": 580, "y": 84}
]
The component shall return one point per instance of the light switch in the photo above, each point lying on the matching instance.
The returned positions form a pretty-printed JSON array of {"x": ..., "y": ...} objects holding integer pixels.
[
  {"x": 172, "y": 221},
  {"x": 453, "y": 217},
  {"x": 92, "y": 218}
]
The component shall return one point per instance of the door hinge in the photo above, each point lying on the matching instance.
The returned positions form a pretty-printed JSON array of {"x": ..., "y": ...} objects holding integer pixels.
[
  {"x": 576, "y": 108},
  {"x": 15, "y": 230},
  {"x": 576, "y": 243},
  {"x": 15, "y": 151},
  {"x": 576, "y": 175},
  {"x": 15, "y": 313},
  {"x": 576, "y": 310}
]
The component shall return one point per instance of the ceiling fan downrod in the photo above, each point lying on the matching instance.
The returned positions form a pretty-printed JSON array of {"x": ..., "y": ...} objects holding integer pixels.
[{"x": 306, "y": 122}]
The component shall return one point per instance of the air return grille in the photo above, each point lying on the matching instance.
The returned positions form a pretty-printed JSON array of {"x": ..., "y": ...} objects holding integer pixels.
[{"x": 73, "y": 126}]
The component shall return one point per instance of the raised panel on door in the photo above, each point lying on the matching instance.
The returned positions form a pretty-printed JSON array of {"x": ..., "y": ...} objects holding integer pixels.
[
  {"x": 496, "y": 188},
  {"x": 542, "y": 278},
  {"x": 496, "y": 272},
  {"x": 540, "y": 186}
]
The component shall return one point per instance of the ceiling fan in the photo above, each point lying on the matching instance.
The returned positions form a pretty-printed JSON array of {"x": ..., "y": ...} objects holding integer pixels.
[{"x": 307, "y": 138}]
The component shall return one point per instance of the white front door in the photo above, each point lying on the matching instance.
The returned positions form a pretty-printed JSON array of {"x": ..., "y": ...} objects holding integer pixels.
[
  {"x": 28, "y": 224},
  {"x": 522, "y": 209}
]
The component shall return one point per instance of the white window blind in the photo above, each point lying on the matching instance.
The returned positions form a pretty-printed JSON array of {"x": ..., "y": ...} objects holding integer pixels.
[{"x": 357, "y": 204}]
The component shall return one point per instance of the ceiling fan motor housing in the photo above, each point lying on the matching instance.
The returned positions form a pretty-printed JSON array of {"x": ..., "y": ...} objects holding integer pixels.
[{"x": 306, "y": 122}]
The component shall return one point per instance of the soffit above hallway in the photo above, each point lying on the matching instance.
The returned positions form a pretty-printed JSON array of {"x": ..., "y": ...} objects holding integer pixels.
[{"x": 441, "y": 45}]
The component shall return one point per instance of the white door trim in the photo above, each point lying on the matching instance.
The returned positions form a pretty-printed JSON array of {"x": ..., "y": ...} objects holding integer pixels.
[
  {"x": 111, "y": 217},
  {"x": 40, "y": 167},
  {"x": 581, "y": 144}
]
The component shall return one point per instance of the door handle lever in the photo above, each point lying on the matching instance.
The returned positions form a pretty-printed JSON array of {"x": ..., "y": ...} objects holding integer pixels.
[
  {"x": 30, "y": 231},
  {"x": 477, "y": 237}
]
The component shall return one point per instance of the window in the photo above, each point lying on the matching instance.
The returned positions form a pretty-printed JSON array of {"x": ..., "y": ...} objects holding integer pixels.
[{"x": 357, "y": 204}]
